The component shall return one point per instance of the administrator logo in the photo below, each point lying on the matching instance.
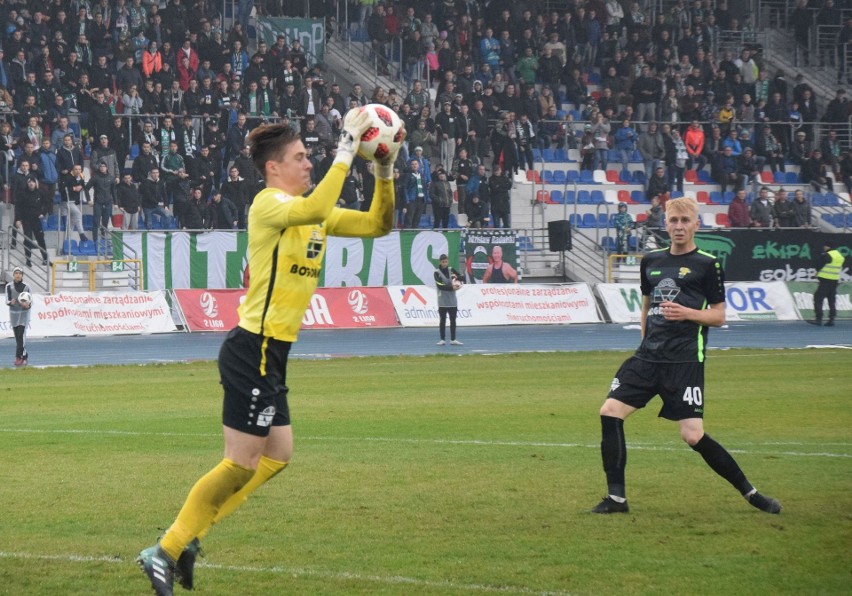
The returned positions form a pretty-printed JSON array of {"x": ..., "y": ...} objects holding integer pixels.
[
  {"x": 265, "y": 417},
  {"x": 409, "y": 293},
  {"x": 358, "y": 302},
  {"x": 209, "y": 305}
]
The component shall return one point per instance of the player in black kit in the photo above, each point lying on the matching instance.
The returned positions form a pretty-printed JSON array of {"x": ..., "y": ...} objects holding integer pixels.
[{"x": 683, "y": 293}]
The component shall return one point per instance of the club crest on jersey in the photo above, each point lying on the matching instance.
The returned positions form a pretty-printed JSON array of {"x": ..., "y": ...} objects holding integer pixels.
[
  {"x": 314, "y": 245},
  {"x": 615, "y": 384},
  {"x": 683, "y": 272},
  {"x": 666, "y": 291}
]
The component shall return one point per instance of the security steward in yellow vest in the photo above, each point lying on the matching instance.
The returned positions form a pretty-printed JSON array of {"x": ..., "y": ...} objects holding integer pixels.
[{"x": 828, "y": 276}]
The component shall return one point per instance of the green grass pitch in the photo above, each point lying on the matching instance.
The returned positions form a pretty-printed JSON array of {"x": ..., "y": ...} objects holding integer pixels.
[{"x": 434, "y": 475}]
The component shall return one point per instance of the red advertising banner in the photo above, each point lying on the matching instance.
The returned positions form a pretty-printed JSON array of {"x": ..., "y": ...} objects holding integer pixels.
[
  {"x": 210, "y": 310},
  {"x": 330, "y": 308}
]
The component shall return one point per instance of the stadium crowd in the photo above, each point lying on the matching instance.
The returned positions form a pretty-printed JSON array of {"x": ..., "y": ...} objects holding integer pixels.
[{"x": 98, "y": 83}]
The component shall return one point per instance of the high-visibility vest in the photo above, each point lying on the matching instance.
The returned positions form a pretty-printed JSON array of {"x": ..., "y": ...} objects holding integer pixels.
[{"x": 832, "y": 269}]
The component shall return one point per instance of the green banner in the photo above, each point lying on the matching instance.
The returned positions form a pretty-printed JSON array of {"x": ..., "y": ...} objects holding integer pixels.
[
  {"x": 309, "y": 32},
  {"x": 482, "y": 248},
  {"x": 216, "y": 260},
  {"x": 803, "y": 298}
]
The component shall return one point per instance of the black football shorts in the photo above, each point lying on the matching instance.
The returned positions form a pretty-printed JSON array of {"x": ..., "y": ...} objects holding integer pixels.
[
  {"x": 679, "y": 384},
  {"x": 253, "y": 372}
]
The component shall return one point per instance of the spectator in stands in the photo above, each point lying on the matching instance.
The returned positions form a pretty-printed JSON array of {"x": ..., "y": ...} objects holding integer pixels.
[
  {"x": 625, "y": 143},
  {"x": 728, "y": 170},
  {"x": 441, "y": 196},
  {"x": 652, "y": 149},
  {"x": 774, "y": 153},
  {"x": 500, "y": 188},
  {"x": 815, "y": 172},
  {"x": 801, "y": 210},
  {"x": 846, "y": 169},
  {"x": 831, "y": 152},
  {"x": 153, "y": 194},
  {"x": 73, "y": 192},
  {"x": 129, "y": 201},
  {"x": 658, "y": 185},
  {"x": 416, "y": 193},
  {"x": 738, "y": 212},
  {"x": 624, "y": 227},
  {"x": 588, "y": 150},
  {"x": 783, "y": 212},
  {"x": 676, "y": 159},
  {"x": 601, "y": 129},
  {"x": 761, "y": 210}
]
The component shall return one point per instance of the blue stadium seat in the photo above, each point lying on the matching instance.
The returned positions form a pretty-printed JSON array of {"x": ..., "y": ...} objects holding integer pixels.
[
  {"x": 848, "y": 220},
  {"x": 704, "y": 177},
  {"x": 638, "y": 196},
  {"x": 590, "y": 220},
  {"x": 547, "y": 176},
  {"x": 587, "y": 177},
  {"x": 559, "y": 177},
  {"x": 547, "y": 154},
  {"x": 594, "y": 78},
  {"x": 727, "y": 197},
  {"x": 598, "y": 197},
  {"x": 525, "y": 243},
  {"x": 562, "y": 155},
  {"x": 792, "y": 178},
  {"x": 626, "y": 176},
  {"x": 603, "y": 220},
  {"x": 69, "y": 247},
  {"x": 556, "y": 196},
  {"x": 87, "y": 248},
  {"x": 817, "y": 200},
  {"x": 454, "y": 223},
  {"x": 828, "y": 218},
  {"x": 584, "y": 197},
  {"x": 715, "y": 197},
  {"x": 560, "y": 114},
  {"x": 537, "y": 154},
  {"x": 639, "y": 177},
  {"x": 830, "y": 200},
  {"x": 608, "y": 243},
  {"x": 568, "y": 199},
  {"x": 778, "y": 177},
  {"x": 573, "y": 176},
  {"x": 576, "y": 115},
  {"x": 636, "y": 157},
  {"x": 632, "y": 243},
  {"x": 611, "y": 222},
  {"x": 134, "y": 151},
  {"x": 575, "y": 219},
  {"x": 425, "y": 222},
  {"x": 676, "y": 194}
]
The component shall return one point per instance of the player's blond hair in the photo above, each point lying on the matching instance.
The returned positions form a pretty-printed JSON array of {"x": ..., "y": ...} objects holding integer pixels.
[{"x": 682, "y": 205}]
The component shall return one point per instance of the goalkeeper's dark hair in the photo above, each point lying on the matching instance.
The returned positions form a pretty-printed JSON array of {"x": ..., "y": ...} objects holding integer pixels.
[{"x": 269, "y": 142}]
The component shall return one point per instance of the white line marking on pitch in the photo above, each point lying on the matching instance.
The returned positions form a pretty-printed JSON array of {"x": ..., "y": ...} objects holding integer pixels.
[
  {"x": 472, "y": 442},
  {"x": 297, "y": 571}
]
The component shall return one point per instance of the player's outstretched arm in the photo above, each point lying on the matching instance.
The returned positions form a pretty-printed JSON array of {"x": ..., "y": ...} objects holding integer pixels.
[
  {"x": 378, "y": 221},
  {"x": 319, "y": 205}
]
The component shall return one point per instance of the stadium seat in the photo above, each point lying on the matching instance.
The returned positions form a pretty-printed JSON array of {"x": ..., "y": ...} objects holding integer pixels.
[
  {"x": 86, "y": 248},
  {"x": 134, "y": 151},
  {"x": 573, "y": 176},
  {"x": 599, "y": 177},
  {"x": 638, "y": 196},
  {"x": 767, "y": 178},
  {"x": 608, "y": 243},
  {"x": 561, "y": 156},
  {"x": 611, "y": 222},
  {"x": 676, "y": 194},
  {"x": 727, "y": 197},
  {"x": 639, "y": 177},
  {"x": 641, "y": 217},
  {"x": 559, "y": 177},
  {"x": 848, "y": 223},
  {"x": 830, "y": 200},
  {"x": 690, "y": 176},
  {"x": 636, "y": 157},
  {"x": 598, "y": 197},
  {"x": 555, "y": 197},
  {"x": 624, "y": 196},
  {"x": 425, "y": 221},
  {"x": 537, "y": 154},
  {"x": 594, "y": 78},
  {"x": 778, "y": 177},
  {"x": 612, "y": 176},
  {"x": 792, "y": 178},
  {"x": 547, "y": 177},
  {"x": 568, "y": 198},
  {"x": 69, "y": 247},
  {"x": 702, "y": 196},
  {"x": 817, "y": 200},
  {"x": 626, "y": 176},
  {"x": 454, "y": 221},
  {"x": 715, "y": 198},
  {"x": 611, "y": 196},
  {"x": 547, "y": 155},
  {"x": 584, "y": 197},
  {"x": 576, "y": 115},
  {"x": 533, "y": 176},
  {"x": 590, "y": 220},
  {"x": 632, "y": 243},
  {"x": 603, "y": 220},
  {"x": 542, "y": 196},
  {"x": 722, "y": 220},
  {"x": 704, "y": 177},
  {"x": 575, "y": 219},
  {"x": 573, "y": 155},
  {"x": 87, "y": 222}
]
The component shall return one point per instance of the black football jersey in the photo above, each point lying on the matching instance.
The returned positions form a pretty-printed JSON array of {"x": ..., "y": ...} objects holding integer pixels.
[{"x": 695, "y": 280}]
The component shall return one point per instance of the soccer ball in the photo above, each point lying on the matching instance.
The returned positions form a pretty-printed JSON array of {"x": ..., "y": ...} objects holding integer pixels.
[
  {"x": 25, "y": 299},
  {"x": 384, "y": 136}
]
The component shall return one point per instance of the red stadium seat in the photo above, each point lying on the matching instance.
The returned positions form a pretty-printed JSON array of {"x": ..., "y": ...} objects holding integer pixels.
[
  {"x": 722, "y": 220},
  {"x": 691, "y": 176},
  {"x": 542, "y": 196},
  {"x": 702, "y": 196},
  {"x": 612, "y": 176},
  {"x": 624, "y": 196}
]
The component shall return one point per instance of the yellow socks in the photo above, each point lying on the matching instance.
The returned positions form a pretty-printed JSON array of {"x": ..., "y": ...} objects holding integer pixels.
[
  {"x": 203, "y": 503},
  {"x": 266, "y": 470}
]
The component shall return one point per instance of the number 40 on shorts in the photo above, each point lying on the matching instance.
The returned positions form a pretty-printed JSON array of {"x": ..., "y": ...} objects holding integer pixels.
[{"x": 693, "y": 396}]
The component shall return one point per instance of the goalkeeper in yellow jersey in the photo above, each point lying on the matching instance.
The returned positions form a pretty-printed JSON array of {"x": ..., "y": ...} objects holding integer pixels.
[{"x": 287, "y": 239}]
